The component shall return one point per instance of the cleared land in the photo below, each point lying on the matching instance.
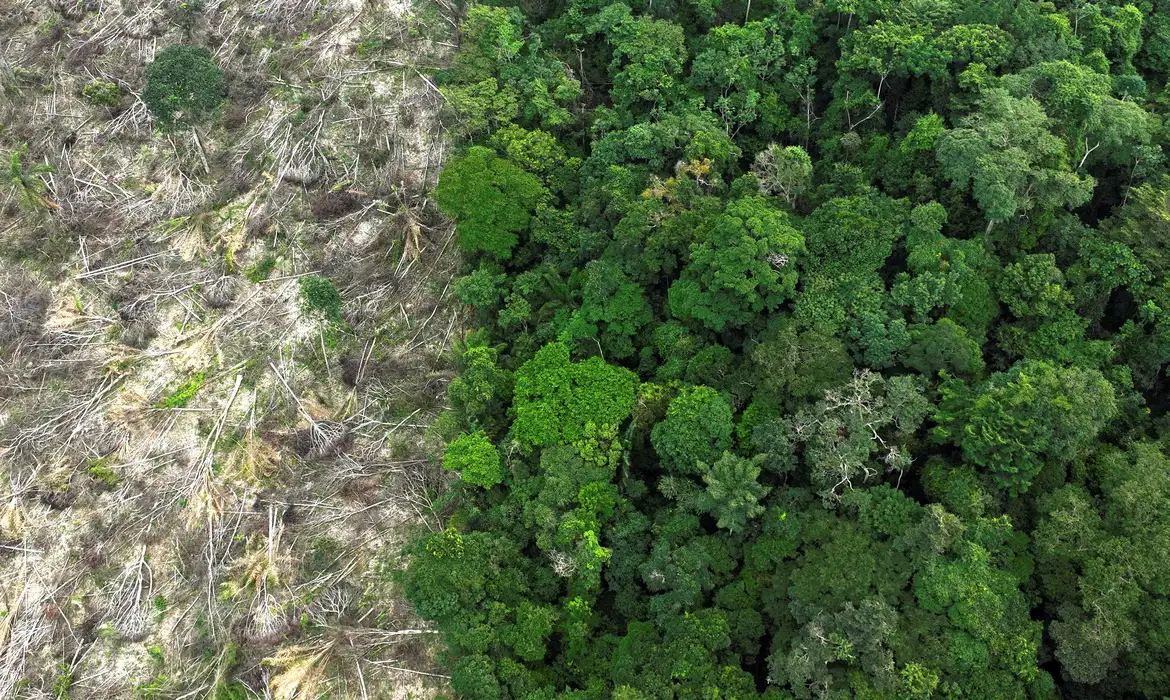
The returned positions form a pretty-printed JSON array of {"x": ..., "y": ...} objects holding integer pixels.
[{"x": 220, "y": 350}]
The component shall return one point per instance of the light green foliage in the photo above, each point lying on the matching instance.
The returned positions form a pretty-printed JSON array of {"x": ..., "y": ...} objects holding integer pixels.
[
  {"x": 785, "y": 172},
  {"x": 918, "y": 682},
  {"x": 184, "y": 86},
  {"x": 62, "y": 683},
  {"x": 886, "y": 48},
  {"x": 843, "y": 433},
  {"x": 1017, "y": 419},
  {"x": 102, "y": 93},
  {"x": 983, "y": 44},
  {"x": 1011, "y": 160},
  {"x": 182, "y": 395},
  {"x": 697, "y": 430},
  {"x": 984, "y": 602},
  {"x": 480, "y": 106},
  {"x": 481, "y": 288},
  {"x": 475, "y": 458},
  {"x": 556, "y": 400},
  {"x": 263, "y": 267},
  {"x": 99, "y": 470},
  {"x": 1034, "y": 287},
  {"x": 30, "y": 188},
  {"x": 745, "y": 265},
  {"x": 535, "y": 151},
  {"x": 733, "y": 491},
  {"x": 499, "y": 78},
  {"x": 480, "y": 395},
  {"x": 1093, "y": 121},
  {"x": 491, "y": 199}
]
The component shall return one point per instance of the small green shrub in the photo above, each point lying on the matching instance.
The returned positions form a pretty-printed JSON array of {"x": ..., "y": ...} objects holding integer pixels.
[
  {"x": 230, "y": 691},
  {"x": 62, "y": 684},
  {"x": 156, "y": 655},
  {"x": 369, "y": 47},
  {"x": 260, "y": 271},
  {"x": 324, "y": 552},
  {"x": 184, "y": 86},
  {"x": 31, "y": 190},
  {"x": 152, "y": 688},
  {"x": 318, "y": 295},
  {"x": 99, "y": 470},
  {"x": 181, "y": 396},
  {"x": 102, "y": 93}
]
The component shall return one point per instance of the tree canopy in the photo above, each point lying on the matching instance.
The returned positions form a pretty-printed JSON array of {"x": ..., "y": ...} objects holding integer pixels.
[{"x": 821, "y": 352}]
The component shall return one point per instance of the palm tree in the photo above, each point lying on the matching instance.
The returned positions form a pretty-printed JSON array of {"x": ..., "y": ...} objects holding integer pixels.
[{"x": 30, "y": 187}]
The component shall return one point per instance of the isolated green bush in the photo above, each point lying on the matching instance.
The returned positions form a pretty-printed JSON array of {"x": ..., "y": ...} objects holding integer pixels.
[
  {"x": 319, "y": 295},
  {"x": 180, "y": 397},
  {"x": 184, "y": 86},
  {"x": 102, "y": 93}
]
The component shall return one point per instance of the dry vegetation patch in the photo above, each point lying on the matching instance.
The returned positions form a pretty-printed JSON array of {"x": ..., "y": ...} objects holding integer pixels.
[{"x": 207, "y": 467}]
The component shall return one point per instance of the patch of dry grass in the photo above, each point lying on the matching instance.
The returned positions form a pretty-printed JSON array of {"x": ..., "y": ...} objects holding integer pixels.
[{"x": 157, "y": 548}]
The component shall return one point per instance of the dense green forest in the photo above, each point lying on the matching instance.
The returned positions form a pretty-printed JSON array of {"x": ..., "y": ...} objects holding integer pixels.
[{"x": 820, "y": 351}]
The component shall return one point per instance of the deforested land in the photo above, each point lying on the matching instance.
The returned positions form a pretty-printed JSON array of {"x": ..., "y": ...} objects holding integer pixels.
[{"x": 225, "y": 321}]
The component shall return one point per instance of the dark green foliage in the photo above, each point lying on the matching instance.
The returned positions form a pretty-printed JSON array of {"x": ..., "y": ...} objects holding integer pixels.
[
  {"x": 854, "y": 235},
  {"x": 744, "y": 265},
  {"x": 184, "y": 86},
  {"x": 481, "y": 393},
  {"x": 943, "y": 345},
  {"x": 613, "y": 309},
  {"x": 733, "y": 493},
  {"x": 319, "y": 296},
  {"x": 822, "y": 352},
  {"x": 1103, "y": 574}
]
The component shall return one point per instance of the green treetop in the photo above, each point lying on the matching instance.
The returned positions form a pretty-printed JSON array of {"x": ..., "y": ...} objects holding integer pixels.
[
  {"x": 555, "y": 399},
  {"x": 1017, "y": 419},
  {"x": 1012, "y": 161},
  {"x": 491, "y": 199}
]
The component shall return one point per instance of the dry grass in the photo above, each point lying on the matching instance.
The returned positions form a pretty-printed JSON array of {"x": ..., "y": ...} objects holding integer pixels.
[{"x": 202, "y": 483}]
